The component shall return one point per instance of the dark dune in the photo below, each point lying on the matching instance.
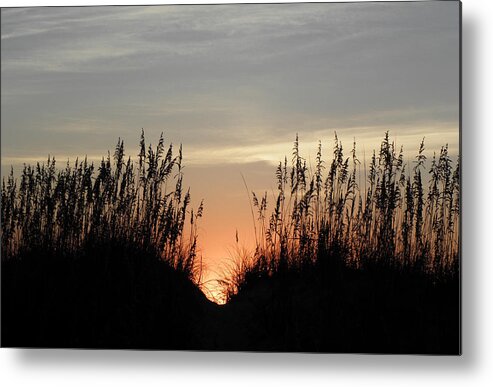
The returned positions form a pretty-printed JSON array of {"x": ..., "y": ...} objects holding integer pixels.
[
  {"x": 351, "y": 311},
  {"x": 108, "y": 297},
  {"x": 118, "y": 297},
  {"x": 102, "y": 260}
]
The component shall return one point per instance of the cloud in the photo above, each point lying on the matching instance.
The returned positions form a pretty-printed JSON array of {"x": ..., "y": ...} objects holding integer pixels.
[{"x": 227, "y": 76}]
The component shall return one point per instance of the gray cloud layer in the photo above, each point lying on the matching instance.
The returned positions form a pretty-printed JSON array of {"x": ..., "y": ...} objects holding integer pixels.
[{"x": 213, "y": 77}]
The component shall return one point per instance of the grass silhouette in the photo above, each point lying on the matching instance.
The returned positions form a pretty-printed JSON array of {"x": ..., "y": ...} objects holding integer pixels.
[
  {"x": 63, "y": 211},
  {"x": 351, "y": 258},
  {"x": 355, "y": 258},
  {"x": 100, "y": 260},
  {"x": 383, "y": 216}
]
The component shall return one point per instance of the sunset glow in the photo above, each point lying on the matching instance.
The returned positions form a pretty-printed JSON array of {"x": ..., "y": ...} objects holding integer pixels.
[
  {"x": 233, "y": 86},
  {"x": 237, "y": 177}
]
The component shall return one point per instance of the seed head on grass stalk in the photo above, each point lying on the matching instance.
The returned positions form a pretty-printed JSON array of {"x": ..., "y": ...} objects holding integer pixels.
[
  {"x": 63, "y": 211},
  {"x": 325, "y": 218}
]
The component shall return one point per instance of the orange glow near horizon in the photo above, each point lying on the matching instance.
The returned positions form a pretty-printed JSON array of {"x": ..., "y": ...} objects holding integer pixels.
[
  {"x": 227, "y": 210},
  {"x": 227, "y": 214}
]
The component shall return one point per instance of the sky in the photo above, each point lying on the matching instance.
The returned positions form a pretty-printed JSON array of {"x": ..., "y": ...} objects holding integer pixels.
[{"x": 232, "y": 83}]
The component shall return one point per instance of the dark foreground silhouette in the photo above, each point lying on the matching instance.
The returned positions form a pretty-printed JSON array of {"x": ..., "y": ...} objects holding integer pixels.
[
  {"x": 116, "y": 296},
  {"x": 99, "y": 258}
]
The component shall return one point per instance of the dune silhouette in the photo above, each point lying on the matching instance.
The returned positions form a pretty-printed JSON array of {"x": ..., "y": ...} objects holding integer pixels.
[{"x": 350, "y": 257}]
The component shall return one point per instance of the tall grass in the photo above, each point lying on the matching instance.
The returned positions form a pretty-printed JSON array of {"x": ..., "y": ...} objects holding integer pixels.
[
  {"x": 344, "y": 212},
  {"x": 142, "y": 205},
  {"x": 349, "y": 257}
]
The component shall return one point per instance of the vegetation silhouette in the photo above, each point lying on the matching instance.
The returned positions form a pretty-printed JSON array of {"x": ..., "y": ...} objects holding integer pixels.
[
  {"x": 355, "y": 258},
  {"x": 100, "y": 261},
  {"x": 348, "y": 258}
]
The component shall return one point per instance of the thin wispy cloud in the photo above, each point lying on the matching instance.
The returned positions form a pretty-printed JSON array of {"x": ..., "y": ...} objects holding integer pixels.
[{"x": 224, "y": 75}]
